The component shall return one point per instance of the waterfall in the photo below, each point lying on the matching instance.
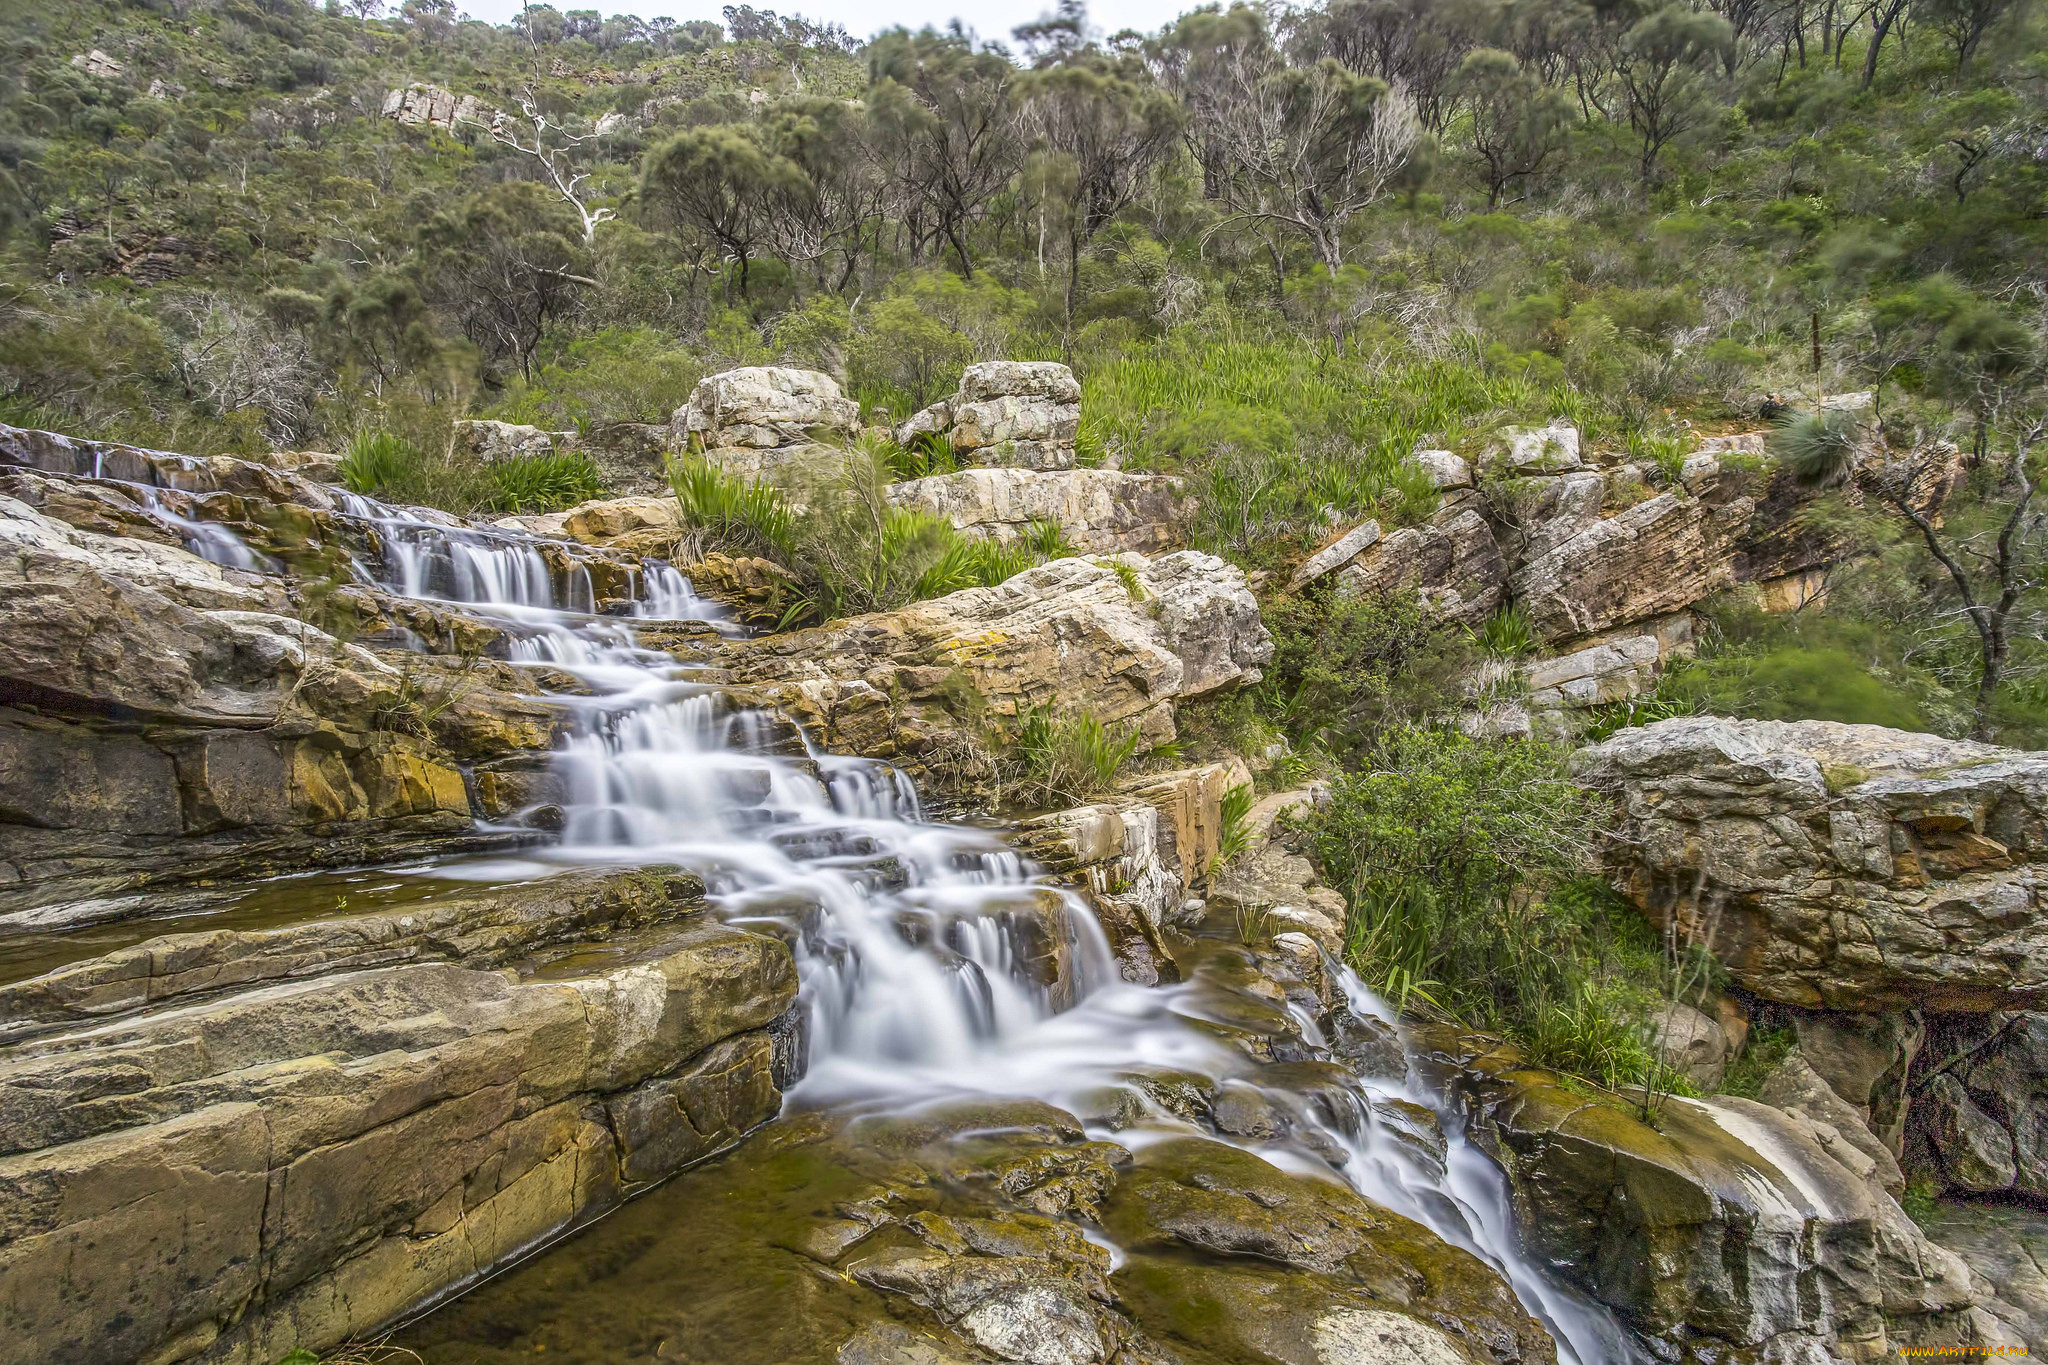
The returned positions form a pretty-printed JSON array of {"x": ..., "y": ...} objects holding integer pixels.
[{"x": 932, "y": 961}]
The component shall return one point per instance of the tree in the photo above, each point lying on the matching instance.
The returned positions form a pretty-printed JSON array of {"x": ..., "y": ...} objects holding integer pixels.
[
  {"x": 1112, "y": 125},
  {"x": 1413, "y": 45},
  {"x": 947, "y": 128},
  {"x": 1667, "y": 66},
  {"x": 719, "y": 181},
  {"x": 1973, "y": 513},
  {"x": 553, "y": 148},
  {"x": 1962, "y": 22},
  {"x": 828, "y": 208},
  {"x": 1197, "y": 60},
  {"x": 504, "y": 264},
  {"x": 1312, "y": 147},
  {"x": 1517, "y": 123}
]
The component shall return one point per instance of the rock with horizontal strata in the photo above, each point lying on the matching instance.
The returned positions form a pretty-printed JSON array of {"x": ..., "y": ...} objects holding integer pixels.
[
  {"x": 1451, "y": 563},
  {"x": 1016, "y": 413},
  {"x": 292, "y": 1164},
  {"x": 1124, "y": 637},
  {"x": 1098, "y": 511},
  {"x": 766, "y": 420},
  {"x": 1841, "y": 866}
]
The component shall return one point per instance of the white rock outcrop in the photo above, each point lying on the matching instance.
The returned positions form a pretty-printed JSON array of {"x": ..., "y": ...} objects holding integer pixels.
[
  {"x": 1020, "y": 413},
  {"x": 762, "y": 420},
  {"x": 1099, "y": 511}
]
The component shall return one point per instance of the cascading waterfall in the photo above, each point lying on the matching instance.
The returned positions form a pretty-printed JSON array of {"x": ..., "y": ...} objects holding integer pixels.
[{"x": 921, "y": 947}]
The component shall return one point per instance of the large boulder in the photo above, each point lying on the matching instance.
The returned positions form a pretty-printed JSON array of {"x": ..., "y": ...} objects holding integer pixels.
[
  {"x": 1122, "y": 638},
  {"x": 1842, "y": 866},
  {"x": 493, "y": 442},
  {"x": 1725, "y": 1220},
  {"x": 1018, "y": 413},
  {"x": 1098, "y": 511},
  {"x": 295, "y": 1163},
  {"x": 760, "y": 420}
]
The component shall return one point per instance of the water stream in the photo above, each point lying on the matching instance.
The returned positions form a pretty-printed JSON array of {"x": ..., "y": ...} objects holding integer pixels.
[{"x": 923, "y": 948}]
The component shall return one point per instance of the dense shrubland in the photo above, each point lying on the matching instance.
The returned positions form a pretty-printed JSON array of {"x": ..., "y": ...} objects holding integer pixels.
[{"x": 1281, "y": 250}]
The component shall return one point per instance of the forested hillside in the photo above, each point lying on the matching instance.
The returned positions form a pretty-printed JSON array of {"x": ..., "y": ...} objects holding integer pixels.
[{"x": 1280, "y": 249}]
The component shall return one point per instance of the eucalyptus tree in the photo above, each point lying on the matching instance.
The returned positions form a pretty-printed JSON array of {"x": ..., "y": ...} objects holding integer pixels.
[
  {"x": 1111, "y": 124},
  {"x": 945, "y": 123},
  {"x": 1514, "y": 122}
]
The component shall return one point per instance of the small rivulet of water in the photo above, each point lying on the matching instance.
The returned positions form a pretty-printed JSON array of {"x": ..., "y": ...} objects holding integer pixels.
[{"x": 933, "y": 962}]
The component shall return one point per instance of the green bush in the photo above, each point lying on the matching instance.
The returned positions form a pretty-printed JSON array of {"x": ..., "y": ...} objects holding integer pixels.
[
  {"x": 544, "y": 483},
  {"x": 837, "y": 532},
  {"x": 376, "y": 461},
  {"x": 1466, "y": 865},
  {"x": 1344, "y": 665}
]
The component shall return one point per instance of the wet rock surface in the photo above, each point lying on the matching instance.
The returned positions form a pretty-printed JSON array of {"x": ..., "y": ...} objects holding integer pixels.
[
  {"x": 985, "y": 1229},
  {"x": 1723, "y": 1225}
]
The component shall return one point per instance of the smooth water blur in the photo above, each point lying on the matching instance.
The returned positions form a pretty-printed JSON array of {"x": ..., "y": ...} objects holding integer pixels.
[{"x": 932, "y": 963}]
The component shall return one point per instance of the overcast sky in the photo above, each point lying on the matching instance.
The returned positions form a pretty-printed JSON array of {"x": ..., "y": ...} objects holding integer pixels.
[{"x": 989, "y": 18}]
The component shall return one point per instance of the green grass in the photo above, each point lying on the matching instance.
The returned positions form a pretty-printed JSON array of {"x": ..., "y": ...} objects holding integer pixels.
[
  {"x": 1765, "y": 1048},
  {"x": 840, "y": 536},
  {"x": 376, "y": 461}
]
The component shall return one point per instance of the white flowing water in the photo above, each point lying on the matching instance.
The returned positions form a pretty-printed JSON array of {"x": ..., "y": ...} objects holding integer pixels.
[{"x": 921, "y": 946}]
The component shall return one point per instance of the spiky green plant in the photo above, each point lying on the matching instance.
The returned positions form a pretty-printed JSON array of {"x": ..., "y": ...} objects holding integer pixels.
[
  {"x": 544, "y": 483},
  {"x": 1073, "y": 757},
  {"x": 1505, "y": 634},
  {"x": 745, "y": 514},
  {"x": 1819, "y": 448},
  {"x": 376, "y": 460}
]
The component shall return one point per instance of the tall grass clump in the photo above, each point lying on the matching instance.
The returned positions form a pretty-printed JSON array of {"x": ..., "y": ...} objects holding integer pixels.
[
  {"x": 836, "y": 530},
  {"x": 375, "y": 461},
  {"x": 1065, "y": 759},
  {"x": 543, "y": 483},
  {"x": 1819, "y": 448}
]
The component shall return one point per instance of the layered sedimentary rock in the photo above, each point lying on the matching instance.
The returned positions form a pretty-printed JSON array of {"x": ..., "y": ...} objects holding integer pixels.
[
  {"x": 920, "y": 686},
  {"x": 284, "y": 1138},
  {"x": 1842, "y": 866},
  {"x": 1018, "y": 413},
  {"x": 170, "y": 719},
  {"x": 1599, "y": 554},
  {"x": 1098, "y": 511},
  {"x": 952, "y": 1233}
]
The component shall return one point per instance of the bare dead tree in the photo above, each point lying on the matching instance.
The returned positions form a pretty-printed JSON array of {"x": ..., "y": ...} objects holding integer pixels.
[{"x": 554, "y": 149}]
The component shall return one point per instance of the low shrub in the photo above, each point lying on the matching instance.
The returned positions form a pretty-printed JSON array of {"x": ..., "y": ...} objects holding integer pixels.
[
  {"x": 1467, "y": 867},
  {"x": 836, "y": 530}
]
